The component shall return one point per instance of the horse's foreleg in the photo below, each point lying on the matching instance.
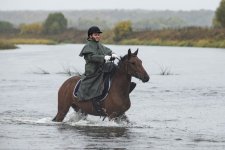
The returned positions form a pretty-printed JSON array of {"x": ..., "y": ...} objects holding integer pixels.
[
  {"x": 124, "y": 118},
  {"x": 119, "y": 118}
]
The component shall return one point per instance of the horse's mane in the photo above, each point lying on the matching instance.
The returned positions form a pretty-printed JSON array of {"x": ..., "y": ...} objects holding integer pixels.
[
  {"x": 122, "y": 59},
  {"x": 121, "y": 62}
]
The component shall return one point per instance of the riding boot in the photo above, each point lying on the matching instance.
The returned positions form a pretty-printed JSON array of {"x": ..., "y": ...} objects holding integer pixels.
[
  {"x": 132, "y": 86},
  {"x": 98, "y": 106}
]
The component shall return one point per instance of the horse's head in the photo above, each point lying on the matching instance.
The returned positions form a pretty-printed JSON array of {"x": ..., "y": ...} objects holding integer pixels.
[{"x": 133, "y": 66}]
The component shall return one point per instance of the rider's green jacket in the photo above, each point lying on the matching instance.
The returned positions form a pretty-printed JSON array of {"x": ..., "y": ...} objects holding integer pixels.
[
  {"x": 92, "y": 81},
  {"x": 93, "y": 53}
]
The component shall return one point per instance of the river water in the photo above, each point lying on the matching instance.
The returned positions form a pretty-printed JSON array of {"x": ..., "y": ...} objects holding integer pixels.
[{"x": 182, "y": 110}]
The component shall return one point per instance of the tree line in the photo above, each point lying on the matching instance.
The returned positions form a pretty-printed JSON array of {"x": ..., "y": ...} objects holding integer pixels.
[{"x": 57, "y": 23}]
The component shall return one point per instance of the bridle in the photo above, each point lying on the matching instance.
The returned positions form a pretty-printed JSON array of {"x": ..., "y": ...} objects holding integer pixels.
[
  {"x": 126, "y": 66},
  {"x": 136, "y": 74}
]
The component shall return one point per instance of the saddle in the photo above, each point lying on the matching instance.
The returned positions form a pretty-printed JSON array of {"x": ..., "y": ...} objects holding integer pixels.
[{"x": 97, "y": 101}]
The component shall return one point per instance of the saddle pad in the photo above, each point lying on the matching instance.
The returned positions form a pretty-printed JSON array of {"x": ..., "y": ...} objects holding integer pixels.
[
  {"x": 104, "y": 92},
  {"x": 76, "y": 88}
]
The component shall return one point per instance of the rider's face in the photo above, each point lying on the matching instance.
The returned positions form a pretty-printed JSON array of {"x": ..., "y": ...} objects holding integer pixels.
[{"x": 96, "y": 37}]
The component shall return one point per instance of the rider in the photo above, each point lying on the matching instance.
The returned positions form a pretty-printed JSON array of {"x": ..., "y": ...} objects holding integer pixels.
[
  {"x": 96, "y": 56},
  {"x": 94, "y": 52}
]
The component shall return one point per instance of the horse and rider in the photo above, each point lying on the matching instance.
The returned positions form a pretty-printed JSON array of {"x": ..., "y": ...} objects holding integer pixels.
[{"x": 99, "y": 69}]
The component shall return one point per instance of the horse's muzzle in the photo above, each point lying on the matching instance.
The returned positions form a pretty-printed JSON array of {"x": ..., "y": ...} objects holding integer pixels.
[{"x": 145, "y": 78}]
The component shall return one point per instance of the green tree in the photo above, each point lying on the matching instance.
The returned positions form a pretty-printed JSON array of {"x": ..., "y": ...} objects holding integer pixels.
[
  {"x": 6, "y": 27},
  {"x": 220, "y": 14},
  {"x": 55, "y": 23},
  {"x": 122, "y": 30}
]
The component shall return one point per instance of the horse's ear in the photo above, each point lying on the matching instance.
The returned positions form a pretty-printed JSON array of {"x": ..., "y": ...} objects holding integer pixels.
[
  {"x": 136, "y": 52},
  {"x": 129, "y": 53}
]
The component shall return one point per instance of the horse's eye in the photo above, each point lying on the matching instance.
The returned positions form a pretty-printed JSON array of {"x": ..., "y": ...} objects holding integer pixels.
[{"x": 133, "y": 63}]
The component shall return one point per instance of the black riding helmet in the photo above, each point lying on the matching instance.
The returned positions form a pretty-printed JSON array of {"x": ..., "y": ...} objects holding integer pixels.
[{"x": 93, "y": 29}]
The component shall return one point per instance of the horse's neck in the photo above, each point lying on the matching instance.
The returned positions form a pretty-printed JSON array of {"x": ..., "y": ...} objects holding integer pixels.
[{"x": 121, "y": 83}]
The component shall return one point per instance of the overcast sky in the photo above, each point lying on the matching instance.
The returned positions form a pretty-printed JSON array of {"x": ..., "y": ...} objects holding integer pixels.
[{"x": 108, "y": 4}]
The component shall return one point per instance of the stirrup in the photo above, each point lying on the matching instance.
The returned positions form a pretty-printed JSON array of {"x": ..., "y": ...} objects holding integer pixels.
[{"x": 132, "y": 86}]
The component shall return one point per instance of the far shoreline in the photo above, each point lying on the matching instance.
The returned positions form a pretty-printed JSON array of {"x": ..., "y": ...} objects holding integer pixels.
[{"x": 7, "y": 45}]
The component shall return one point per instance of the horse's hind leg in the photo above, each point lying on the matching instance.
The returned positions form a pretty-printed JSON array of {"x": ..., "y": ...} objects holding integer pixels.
[
  {"x": 82, "y": 114},
  {"x": 65, "y": 98},
  {"x": 60, "y": 116},
  {"x": 75, "y": 108},
  {"x": 63, "y": 108}
]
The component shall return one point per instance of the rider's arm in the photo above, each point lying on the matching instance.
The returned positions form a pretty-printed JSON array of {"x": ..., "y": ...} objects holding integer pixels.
[{"x": 94, "y": 58}]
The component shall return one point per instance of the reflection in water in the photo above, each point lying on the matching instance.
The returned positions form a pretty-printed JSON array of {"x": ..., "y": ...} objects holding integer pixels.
[
  {"x": 97, "y": 137},
  {"x": 98, "y": 131}
]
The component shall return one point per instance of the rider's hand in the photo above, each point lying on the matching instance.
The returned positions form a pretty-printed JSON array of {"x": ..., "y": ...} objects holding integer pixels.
[
  {"x": 107, "y": 58},
  {"x": 115, "y": 56}
]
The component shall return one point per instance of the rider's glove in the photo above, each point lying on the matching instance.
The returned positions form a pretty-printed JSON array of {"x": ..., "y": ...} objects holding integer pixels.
[
  {"x": 115, "y": 56},
  {"x": 107, "y": 58}
]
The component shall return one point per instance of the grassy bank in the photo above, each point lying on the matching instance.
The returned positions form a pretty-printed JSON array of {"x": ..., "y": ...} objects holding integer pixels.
[
  {"x": 32, "y": 41},
  {"x": 6, "y": 45},
  {"x": 183, "y": 43},
  {"x": 10, "y": 43},
  {"x": 188, "y": 37}
]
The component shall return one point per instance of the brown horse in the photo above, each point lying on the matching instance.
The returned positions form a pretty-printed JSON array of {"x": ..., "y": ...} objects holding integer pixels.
[{"x": 117, "y": 101}]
